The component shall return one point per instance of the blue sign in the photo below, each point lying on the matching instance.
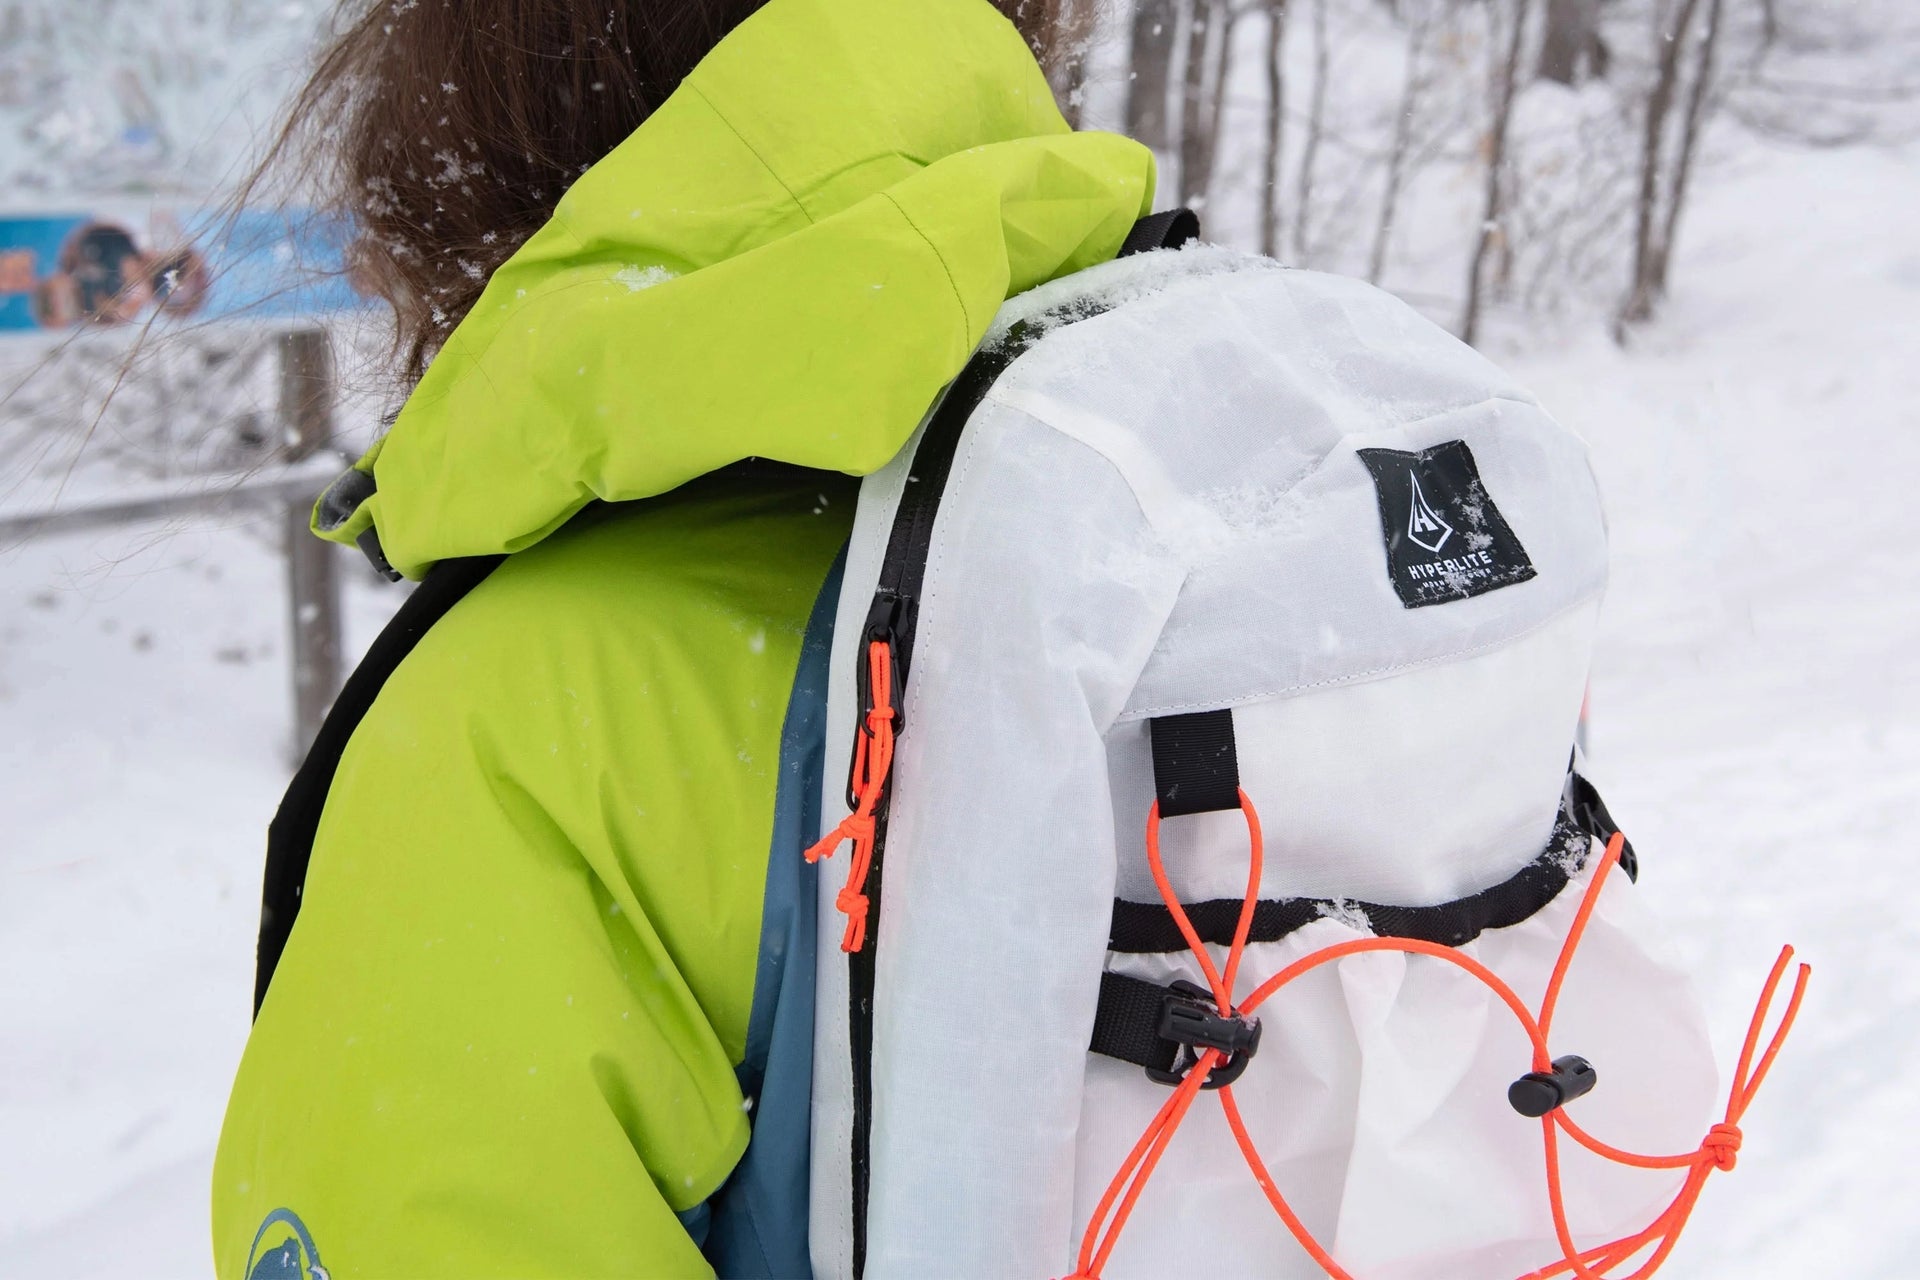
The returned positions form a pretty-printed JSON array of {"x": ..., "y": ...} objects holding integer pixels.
[{"x": 60, "y": 271}]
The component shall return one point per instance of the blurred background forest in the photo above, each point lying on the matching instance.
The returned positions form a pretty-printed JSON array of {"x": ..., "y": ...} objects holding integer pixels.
[{"x": 1688, "y": 224}]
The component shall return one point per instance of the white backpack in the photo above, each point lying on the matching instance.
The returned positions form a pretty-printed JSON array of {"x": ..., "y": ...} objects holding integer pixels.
[{"x": 1191, "y": 528}]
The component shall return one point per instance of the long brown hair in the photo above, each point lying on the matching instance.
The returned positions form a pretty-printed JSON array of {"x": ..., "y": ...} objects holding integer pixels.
[{"x": 446, "y": 132}]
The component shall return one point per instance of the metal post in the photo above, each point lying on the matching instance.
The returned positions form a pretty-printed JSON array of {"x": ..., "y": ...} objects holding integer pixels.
[{"x": 313, "y": 581}]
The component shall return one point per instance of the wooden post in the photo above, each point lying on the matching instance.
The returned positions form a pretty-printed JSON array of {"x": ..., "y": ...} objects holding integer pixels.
[{"x": 313, "y": 580}]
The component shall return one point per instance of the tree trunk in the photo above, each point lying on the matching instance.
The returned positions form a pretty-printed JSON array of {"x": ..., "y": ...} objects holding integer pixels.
[
  {"x": 1669, "y": 37},
  {"x": 1402, "y": 144},
  {"x": 1193, "y": 105},
  {"x": 1316, "y": 124},
  {"x": 1566, "y": 47},
  {"x": 1074, "y": 37},
  {"x": 1495, "y": 205},
  {"x": 1151, "y": 55},
  {"x": 1227, "y": 19},
  {"x": 1697, "y": 104},
  {"x": 1276, "y": 127}
]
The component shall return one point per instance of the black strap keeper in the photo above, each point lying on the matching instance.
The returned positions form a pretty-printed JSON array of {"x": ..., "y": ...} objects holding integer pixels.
[
  {"x": 1166, "y": 230},
  {"x": 1196, "y": 768}
]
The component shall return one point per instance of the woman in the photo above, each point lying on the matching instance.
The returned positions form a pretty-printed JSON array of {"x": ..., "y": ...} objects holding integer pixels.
[{"x": 545, "y": 1009}]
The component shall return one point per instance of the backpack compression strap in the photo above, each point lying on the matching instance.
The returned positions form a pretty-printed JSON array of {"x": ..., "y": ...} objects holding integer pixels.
[
  {"x": 1196, "y": 770},
  {"x": 1213, "y": 1035}
]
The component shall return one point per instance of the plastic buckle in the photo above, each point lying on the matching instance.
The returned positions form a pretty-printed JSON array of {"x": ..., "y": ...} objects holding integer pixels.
[{"x": 1190, "y": 1019}]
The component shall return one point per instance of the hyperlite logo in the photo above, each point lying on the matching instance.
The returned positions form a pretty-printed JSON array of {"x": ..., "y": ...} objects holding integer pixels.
[
  {"x": 1446, "y": 540},
  {"x": 1424, "y": 525}
]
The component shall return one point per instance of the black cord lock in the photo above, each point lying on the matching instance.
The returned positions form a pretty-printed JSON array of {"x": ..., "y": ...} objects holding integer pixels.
[
  {"x": 1537, "y": 1093},
  {"x": 1191, "y": 1020}
]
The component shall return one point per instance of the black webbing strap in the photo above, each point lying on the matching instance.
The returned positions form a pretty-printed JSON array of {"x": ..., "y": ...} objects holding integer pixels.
[
  {"x": 1127, "y": 1026},
  {"x": 1128, "y": 1022},
  {"x": 1168, "y": 230},
  {"x": 1196, "y": 768}
]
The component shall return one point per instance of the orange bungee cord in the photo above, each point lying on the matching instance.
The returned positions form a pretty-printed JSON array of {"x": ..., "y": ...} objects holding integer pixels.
[
  {"x": 872, "y": 764},
  {"x": 1718, "y": 1150}
]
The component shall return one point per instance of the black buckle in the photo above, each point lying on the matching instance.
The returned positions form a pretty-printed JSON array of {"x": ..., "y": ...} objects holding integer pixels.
[
  {"x": 1589, "y": 811},
  {"x": 1190, "y": 1019}
]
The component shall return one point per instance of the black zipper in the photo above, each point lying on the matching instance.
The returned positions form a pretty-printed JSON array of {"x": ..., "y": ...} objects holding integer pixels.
[{"x": 892, "y": 619}]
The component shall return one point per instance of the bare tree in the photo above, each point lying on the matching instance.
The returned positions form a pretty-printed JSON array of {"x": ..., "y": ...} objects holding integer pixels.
[
  {"x": 1194, "y": 126},
  {"x": 1507, "y": 80},
  {"x": 1275, "y": 127},
  {"x": 1227, "y": 19},
  {"x": 1397, "y": 154},
  {"x": 1316, "y": 127},
  {"x": 1671, "y": 27},
  {"x": 1697, "y": 107},
  {"x": 1151, "y": 55}
]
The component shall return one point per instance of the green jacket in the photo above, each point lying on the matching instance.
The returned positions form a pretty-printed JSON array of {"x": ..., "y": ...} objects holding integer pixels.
[{"x": 546, "y": 1008}]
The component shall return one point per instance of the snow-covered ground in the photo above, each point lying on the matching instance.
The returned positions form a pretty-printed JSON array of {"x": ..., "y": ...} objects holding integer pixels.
[
  {"x": 1756, "y": 725},
  {"x": 1756, "y": 692},
  {"x": 144, "y": 732}
]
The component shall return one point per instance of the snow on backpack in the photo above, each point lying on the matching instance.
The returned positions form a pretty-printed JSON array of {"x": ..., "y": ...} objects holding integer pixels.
[{"x": 1212, "y": 659}]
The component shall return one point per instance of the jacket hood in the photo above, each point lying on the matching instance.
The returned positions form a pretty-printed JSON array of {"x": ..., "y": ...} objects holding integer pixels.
[{"x": 787, "y": 260}]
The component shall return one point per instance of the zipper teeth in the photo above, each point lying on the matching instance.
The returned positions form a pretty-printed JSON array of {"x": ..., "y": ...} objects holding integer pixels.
[{"x": 902, "y": 574}]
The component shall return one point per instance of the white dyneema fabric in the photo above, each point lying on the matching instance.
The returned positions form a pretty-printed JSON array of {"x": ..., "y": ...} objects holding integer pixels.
[{"x": 1160, "y": 509}]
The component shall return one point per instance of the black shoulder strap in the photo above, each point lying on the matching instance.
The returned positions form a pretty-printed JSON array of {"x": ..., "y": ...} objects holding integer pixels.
[
  {"x": 1168, "y": 230},
  {"x": 290, "y": 835}
]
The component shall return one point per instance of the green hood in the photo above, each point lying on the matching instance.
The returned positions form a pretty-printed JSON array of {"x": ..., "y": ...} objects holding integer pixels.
[{"x": 788, "y": 260}]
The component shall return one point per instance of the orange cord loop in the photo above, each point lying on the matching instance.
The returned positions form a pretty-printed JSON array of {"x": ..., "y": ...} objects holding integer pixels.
[
  {"x": 872, "y": 766},
  {"x": 1718, "y": 1150}
]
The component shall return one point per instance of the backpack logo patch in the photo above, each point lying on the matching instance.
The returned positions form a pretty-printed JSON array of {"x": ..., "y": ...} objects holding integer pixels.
[{"x": 1446, "y": 540}]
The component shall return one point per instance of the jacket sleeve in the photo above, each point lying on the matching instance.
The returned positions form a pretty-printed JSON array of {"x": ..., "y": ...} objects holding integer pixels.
[{"x": 502, "y": 1039}]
